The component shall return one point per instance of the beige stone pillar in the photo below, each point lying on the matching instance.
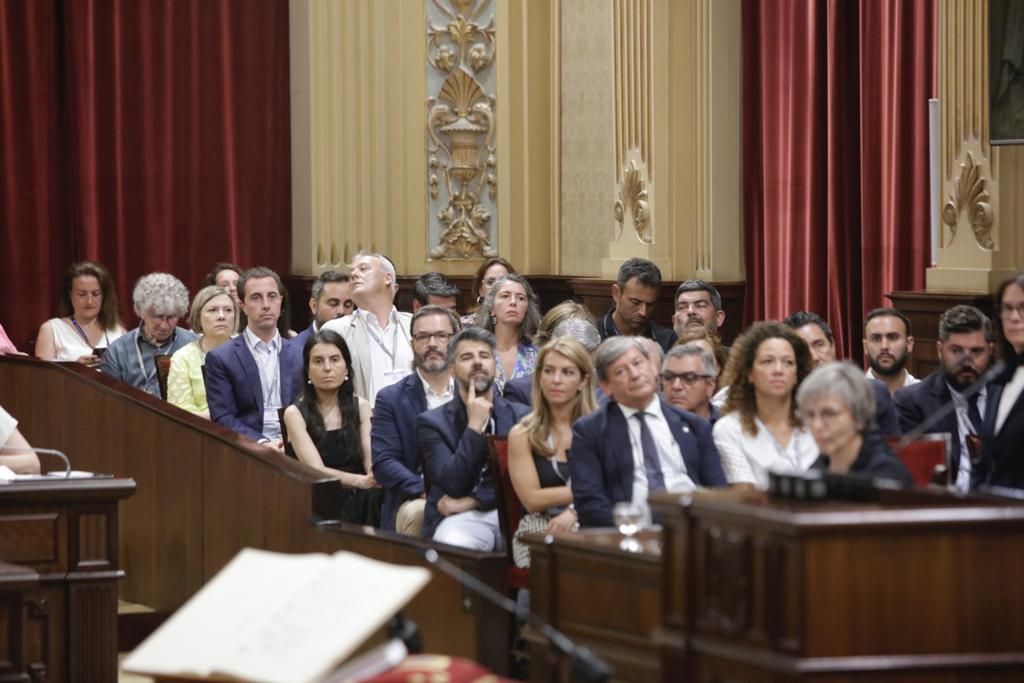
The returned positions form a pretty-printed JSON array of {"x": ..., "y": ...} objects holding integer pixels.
[
  {"x": 981, "y": 206},
  {"x": 380, "y": 90},
  {"x": 651, "y": 135}
]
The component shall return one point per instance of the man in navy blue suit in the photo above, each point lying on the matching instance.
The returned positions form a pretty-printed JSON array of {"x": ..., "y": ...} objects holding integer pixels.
[
  {"x": 461, "y": 507},
  {"x": 636, "y": 443},
  {"x": 395, "y": 451},
  {"x": 256, "y": 373},
  {"x": 329, "y": 298}
]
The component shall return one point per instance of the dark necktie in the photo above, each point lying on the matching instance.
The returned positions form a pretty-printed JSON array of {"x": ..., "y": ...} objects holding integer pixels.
[
  {"x": 973, "y": 414},
  {"x": 652, "y": 465}
]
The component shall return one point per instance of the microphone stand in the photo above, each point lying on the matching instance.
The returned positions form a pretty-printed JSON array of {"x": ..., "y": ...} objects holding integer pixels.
[
  {"x": 584, "y": 665},
  {"x": 43, "y": 451}
]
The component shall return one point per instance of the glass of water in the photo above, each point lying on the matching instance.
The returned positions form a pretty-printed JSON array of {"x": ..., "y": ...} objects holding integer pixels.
[{"x": 629, "y": 517}]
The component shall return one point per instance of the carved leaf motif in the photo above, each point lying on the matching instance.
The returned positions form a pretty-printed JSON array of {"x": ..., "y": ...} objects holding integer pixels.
[
  {"x": 971, "y": 195},
  {"x": 461, "y": 31},
  {"x": 462, "y": 90}
]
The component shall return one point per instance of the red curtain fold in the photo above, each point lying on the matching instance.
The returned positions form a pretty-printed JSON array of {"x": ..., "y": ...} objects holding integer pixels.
[
  {"x": 836, "y": 205},
  {"x": 170, "y": 142}
]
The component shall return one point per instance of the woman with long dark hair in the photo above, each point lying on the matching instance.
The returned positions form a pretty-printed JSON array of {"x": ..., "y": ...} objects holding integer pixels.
[
  {"x": 329, "y": 426},
  {"x": 86, "y": 319}
]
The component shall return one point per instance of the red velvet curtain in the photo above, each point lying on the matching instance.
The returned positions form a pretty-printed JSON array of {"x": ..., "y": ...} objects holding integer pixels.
[
  {"x": 145, "y": 134},
  {"x": 835, "y": 127}
]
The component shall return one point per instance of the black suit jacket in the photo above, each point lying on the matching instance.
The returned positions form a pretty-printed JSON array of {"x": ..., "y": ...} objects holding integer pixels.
[
  {"x": 1002, "y": 460},
  {"x": 920, "y": 401},
  {"x": 456, "y": 457},
  {"x": 665, "y": 336},
  {"x": 887, "y": 422}
]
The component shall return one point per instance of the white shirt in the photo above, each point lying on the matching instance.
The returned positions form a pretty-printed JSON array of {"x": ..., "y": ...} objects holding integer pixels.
[
  {"x": 435, "y": 399},
  {"x": 908, "y": 379},
  {"x": 748, "y": 459},
  {"x": 964, "y": 428},
  {"x": 390, "y": 352},
  {"x": 1011, "y": 392},
  {"x": 7, "y": 426},
  {"x": 268, "y": 363},
  {"x": 673, "y": 468}
]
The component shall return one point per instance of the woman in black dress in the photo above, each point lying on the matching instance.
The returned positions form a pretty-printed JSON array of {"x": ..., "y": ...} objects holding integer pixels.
[{"x": 329, "y": 426}]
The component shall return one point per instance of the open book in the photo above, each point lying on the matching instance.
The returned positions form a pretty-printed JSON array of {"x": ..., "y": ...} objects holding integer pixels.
[{"x": 275, "y": 618}]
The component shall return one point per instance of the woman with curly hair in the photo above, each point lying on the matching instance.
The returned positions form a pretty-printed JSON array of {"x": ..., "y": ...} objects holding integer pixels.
[
  {"x": 512, "y": 313},
  {"x": 760, "y": 431},
  {"x": 329, "y": 426}
]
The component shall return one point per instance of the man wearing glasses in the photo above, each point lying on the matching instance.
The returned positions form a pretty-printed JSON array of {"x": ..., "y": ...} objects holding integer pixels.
[
  {"x": 393, "y": 446},
  {"x": 688, "y": 380}
]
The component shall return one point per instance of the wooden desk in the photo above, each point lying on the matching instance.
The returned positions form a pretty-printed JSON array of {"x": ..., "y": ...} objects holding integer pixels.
[
  {"x": 599, "y": 595},
  {"x": 65, "y": 532},
  {"x": 913, "y": 587},
  {"x": 205, "y": 493}
]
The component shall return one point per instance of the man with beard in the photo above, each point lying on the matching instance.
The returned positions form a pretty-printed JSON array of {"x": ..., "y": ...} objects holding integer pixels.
[
  {"x": 461, "y": 507},
  {"x": 635, "y": 293},
  {"x": 393, "y": 446},
  {"x": 817, "y": 333},
  {"x": 698, "y": 304},
  {"x": 329, "y": 298},
  {"x": 965, "y": 351},
  {"x": 888, "y": 344},
  {"x": 636, "y": 443}
]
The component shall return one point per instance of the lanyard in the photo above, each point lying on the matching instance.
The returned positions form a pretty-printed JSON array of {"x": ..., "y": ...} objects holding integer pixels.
[
  {"x": 270, "y": 388},
  {"x": 85, "y": 336},
  {"x": 138, "y": 354},
  {"x": 380, "y": 342}
]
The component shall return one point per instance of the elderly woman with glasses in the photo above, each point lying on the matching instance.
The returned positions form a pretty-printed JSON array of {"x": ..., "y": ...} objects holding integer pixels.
[
  {"x": 160, "y": 300},
  {"x": 837, "y": 405}
]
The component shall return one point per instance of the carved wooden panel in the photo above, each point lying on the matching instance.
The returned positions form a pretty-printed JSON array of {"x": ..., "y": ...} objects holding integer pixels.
[
  {"x": 30, "y": 538},
  {"x": 95, "y": 545},
  {"x": 728, "y": 580}
]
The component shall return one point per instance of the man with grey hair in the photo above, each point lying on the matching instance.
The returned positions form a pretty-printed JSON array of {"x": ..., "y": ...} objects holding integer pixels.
[
  {"x": 461, "y": 507},
  {"x": 965, "y": 352},
  {"x": 698, "y": 304},
  {"x": 636, "y": 443},
  {"x": 159, "y": 299},
  {"x": 635, "y": 292},
  {"x": 376, "y": 333},
  {"x": 689, "y": 380},
  {"x": 330, "y": 297}
]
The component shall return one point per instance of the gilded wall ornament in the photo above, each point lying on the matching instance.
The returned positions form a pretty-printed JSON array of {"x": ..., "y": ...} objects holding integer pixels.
[
  {"x": 461, "y": 163},
  {"x": 971, "y": 194},
  {"x": 633, "y": 198}
]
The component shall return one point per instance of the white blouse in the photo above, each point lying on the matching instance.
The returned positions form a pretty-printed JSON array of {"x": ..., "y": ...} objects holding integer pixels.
[{"x": 748, "y": 459}]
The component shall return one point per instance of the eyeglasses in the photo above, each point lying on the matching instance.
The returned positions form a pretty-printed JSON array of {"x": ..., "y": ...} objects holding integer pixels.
[
  {"x": 826, "y": 415},
  {"x": 689, "y": 378},
  {"x": 1009, "y": 309},
  {"x": 441, "y": 337}
]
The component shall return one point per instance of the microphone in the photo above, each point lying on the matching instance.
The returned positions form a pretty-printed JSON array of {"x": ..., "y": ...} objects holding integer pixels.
[
  {"x": 949, "y": 406},
  {"x": 44, "y": 451},
  {"x": 584, "y": 665}
]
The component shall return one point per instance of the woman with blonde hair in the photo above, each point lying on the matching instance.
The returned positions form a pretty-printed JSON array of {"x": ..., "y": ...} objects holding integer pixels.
[
  {"x": 538, "y": 447},
  {"x": 214, "y": 316},
  {"x": 760, "y": 431}
]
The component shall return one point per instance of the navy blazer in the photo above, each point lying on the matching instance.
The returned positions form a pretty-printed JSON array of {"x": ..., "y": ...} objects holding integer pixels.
[
  {"x": 1002, "y": 463},
  {"x": 456, "y": 457},
  {"x": 601, "y": 459},
  {"x": 233, "y": 388},
  {"x": 920, "y": 401},
  {"x": 396, "y": 455}
]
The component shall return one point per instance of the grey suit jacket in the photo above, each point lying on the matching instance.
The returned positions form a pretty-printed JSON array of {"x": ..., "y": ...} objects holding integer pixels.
[{"x": 353, "y": 330}]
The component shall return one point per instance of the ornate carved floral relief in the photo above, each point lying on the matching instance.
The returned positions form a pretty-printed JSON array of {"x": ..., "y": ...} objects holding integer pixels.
[
  {"x": 461, "y": 166},
  {"x": 971, "y": 195},
  {"x": 632, "y": 205}
]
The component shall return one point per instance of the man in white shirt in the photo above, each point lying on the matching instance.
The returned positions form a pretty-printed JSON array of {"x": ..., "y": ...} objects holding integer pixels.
[
  {"x": 393, "y": 444},
  {"x": 965, "y": 351},
  {"x": 637, "y": 442},
  {"x": 887, "y": 345},
  {"x": 377, "y": 334},
  {"x": 251, "y": 377}
]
